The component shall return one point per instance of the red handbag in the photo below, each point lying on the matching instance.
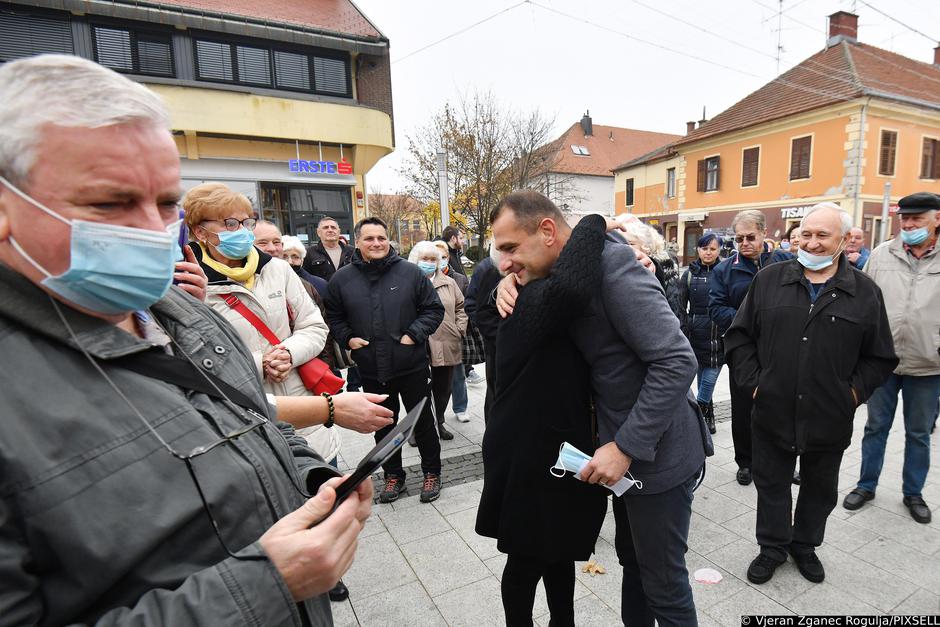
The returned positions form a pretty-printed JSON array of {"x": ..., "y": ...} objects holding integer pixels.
[{"x": 315, "y": 374}]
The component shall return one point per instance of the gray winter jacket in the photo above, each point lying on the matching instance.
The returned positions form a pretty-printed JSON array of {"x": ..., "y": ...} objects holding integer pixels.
[
  {"x": 641, "y": 370},
  {"x": 99, "y": 524}
]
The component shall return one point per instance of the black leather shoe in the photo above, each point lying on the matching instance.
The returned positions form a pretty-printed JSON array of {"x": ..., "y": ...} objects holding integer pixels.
[
  {"x": 856, "y": 498},
  {"x": 809, "y": 566},
  {"x": 339, "y": 592},
  {"x": 744, "y": 476},
  {"x": 796, "y": 477},
  {"x": 444, "y": 433},
  {"x": 918, "y": 509},
  {"x": 762, "y": 569}
]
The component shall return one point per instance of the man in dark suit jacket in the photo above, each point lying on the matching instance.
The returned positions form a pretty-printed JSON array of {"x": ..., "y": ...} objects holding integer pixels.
[
  {"x": 328, "y": 255},
  {"x": 648, "y": 421}
]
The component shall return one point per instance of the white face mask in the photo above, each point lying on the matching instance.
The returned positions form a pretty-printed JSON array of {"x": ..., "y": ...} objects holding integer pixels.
[{"x": 572, "y": 460}]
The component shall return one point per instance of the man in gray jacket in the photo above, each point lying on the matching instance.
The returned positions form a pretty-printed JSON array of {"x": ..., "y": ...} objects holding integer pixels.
[
  {"x": 648, "y": 421},
  {"x": 142, "y": 478}
]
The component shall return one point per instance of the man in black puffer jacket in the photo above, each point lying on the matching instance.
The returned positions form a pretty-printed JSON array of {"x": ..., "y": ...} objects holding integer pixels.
[{"x": 384, "y": 309}]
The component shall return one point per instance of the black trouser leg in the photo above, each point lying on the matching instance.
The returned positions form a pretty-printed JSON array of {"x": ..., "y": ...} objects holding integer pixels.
[
  {"x": 651, "y": 541},
  {"x": 742, "y": 401},
  {"x": 442, "y": 378},
  {"x": 773, "y": 473},
  {"x": 412, "y": 388},
  {"x": 819, "y": 474},
  {"x": 490, "y": 369},
  {"x": 521, "y": 576}
]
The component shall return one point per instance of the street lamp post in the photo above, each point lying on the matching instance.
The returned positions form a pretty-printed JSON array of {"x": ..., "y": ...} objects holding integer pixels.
[{"x": 442, "y": 188}]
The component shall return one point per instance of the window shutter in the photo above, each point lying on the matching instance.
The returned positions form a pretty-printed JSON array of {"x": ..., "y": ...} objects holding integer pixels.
[
  {"x": 113, "y": 48},
  {"x": 936, "y": 159},
  {"x": 27, "y": 35},
  {"x": 799, "y": 157},
  {"x": 155, "y": 54},
  {"x": 125, "y": 50},
  {"x": 700, "y": 183},
  {"x": 330, "y": 75},
  {"x": 925, "y": 159},
  {"x": 254, "y": 65},
  {"x": 749, "y": 167},
  {"x": 889, "y": 145},
  {"x": 629, "y": 192},
  {"x": 717, "y": 172},
  {"x": 214, "y": 61},
  {"x": 291, "y": 70}
]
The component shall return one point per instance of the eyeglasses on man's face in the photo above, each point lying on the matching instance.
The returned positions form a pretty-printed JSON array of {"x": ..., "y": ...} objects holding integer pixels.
[{"x": 750, "y": 237}]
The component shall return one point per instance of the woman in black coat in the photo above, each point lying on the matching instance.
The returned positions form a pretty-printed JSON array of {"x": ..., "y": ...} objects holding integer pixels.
[
  {"x": 543, "y": 399},
  {"x": 703, "y": 334}
]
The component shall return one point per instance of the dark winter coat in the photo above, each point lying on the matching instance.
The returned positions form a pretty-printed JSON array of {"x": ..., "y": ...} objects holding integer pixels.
[
  {"x": 697, "y": 325},
  {"x": 318, "y": 262},
  {"x": 812, "y": 364},
  {"x": 381, "y": 301},
  {"x": 730, "y": 281},
  {"x": 543, "y": 400},
  {"x": 456, "y": 266}
]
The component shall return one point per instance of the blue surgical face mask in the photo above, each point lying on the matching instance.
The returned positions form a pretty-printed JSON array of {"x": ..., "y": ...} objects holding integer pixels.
[
  {"x": 444, "y": 264},
  {"x": 427, "y": 267},
  {"x": 572, "y": 460},
  {"x": 113, "y": 269},
  {"x": 235, "y": 245},
  {"x": 915, "y": 237},
  {"x": 785, "y": 245},
  {"x": 816, "y": 262}
]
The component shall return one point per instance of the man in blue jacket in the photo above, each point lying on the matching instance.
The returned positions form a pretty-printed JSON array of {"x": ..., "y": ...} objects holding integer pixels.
[
  {"x": 384, "y": 309},
  {"x": 730, "y": 282}
]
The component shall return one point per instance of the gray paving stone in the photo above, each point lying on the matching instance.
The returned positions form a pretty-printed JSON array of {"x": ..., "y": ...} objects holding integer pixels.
[
  {"x": 589, "y": 610},
  {"x": 747, "y": 601},
  {"x": 464, "y": 522},
  {"x": 863, "y": 580},
  {"x": 379, "y": 566},
  {"x": 609, "y": 528},
  {"x": 786, "y": 584},
  {"x": 744, "y": 494},
  {"x": 826, "y": 599},
  {"x": 721, "y": 457},
  {"x": 414, "y": 523},
  {"x": 743, "y": 525},
  {"x": 458, "y": 498},
  {"x": 343, "y": 615},
  {"x": 444, "y": 562},
  {"x": 903, "y": 562},
  {"x": 846, "y": 536},
  {"x": 716, "y": 476},
  {"x": 372, "y": 527},
  {"x": 921, "y": 602},
  {"x": 606, "y": 587},
  {"x": 705, "y": 536},
  {"x": 473, "y": 605},
  {"x": 903, "y": 529},
  {"x": 716, "y": 506},
  {"x": 405, "y": 605}
]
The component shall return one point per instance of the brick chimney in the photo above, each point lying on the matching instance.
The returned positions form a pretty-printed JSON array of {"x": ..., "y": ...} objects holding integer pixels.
[
  {"x": 689, "y": 127},
  {"x": 843, "y": 26},
  {"x": 586, "y": 124}
]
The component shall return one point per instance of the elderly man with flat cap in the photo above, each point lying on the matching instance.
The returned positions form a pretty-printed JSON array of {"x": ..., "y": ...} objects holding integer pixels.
[{"x": 907, "y": 269}]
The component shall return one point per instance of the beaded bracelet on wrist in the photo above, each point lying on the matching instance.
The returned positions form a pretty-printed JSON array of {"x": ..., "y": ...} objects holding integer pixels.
[{"x": 330, "y": 421}]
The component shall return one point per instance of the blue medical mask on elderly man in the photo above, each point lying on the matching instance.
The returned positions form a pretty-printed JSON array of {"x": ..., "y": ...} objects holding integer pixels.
[{"x": 112, "y": 269}]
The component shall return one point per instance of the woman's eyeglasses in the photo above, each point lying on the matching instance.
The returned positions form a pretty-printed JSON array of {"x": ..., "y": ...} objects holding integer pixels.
[{"x": 232, "y": 224}]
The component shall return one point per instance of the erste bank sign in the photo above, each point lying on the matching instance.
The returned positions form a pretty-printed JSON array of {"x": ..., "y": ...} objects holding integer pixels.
[{"x": 302, "y": 166}]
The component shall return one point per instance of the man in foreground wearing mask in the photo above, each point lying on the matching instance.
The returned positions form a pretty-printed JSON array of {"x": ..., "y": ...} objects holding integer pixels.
[
  {"x": 144, "y": 478},
  {"x": 805, "y": 399},
  {"x": 907, "y": 269}
]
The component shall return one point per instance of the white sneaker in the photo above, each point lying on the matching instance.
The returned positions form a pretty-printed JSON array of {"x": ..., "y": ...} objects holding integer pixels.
[
  {"x": 474, "y": 379},
  {"x": 462, "y": 416}
]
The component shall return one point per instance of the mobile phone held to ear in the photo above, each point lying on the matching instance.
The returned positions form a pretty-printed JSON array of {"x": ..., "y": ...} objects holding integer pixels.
[{"x": 374, "y": 459}]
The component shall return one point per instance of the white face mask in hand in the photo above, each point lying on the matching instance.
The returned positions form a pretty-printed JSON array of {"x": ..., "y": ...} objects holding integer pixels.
[{"x": 573, "y": 460}]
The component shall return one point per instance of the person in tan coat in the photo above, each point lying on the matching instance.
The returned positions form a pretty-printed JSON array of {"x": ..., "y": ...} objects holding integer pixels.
[{"x": 446, "y": 344}]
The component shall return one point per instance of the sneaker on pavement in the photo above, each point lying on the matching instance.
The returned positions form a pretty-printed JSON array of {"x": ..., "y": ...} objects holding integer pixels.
[
  {"x": 856, "y": 498},
  {"x": 474, "y": 379},
  {"x": 744, "y": 476},
  {"x": 462, "y": 416},
  {"x": 393, "y": 487},
  {"x": 809, "y": 565},
  {"x": 918, "y": 509},
  {"x": 762, "y": 569},
  {"x": 443, "y": 432},
  {"x": 431, "y": 488},
  {"x": 339, "y": 592}
]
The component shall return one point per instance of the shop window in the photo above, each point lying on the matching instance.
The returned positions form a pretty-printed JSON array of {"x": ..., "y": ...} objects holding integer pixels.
[
  {"x": 930, "y": 159},
  {"x": 800, "y": 154},
  {"x": 671, "y": 183},
  {"x": 888, "y": 153},
  {"x": 25, "y": 35},
  {"x": 708, "y": 174},
  {"x": 629, "y": 192},
  {"x": 750, "y": 161},
  {"x": 127, "y": 50}
]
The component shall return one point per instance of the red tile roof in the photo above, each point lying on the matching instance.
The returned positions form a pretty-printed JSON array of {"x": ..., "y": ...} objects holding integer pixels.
[
  {"x": 335, "y": 16},
  {"x": 608, "y": 146},
  {"x": 842, "y": 72}
]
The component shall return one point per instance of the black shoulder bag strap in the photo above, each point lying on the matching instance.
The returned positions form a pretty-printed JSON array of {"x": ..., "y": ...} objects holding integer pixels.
[{"x": 180, "y": 372}]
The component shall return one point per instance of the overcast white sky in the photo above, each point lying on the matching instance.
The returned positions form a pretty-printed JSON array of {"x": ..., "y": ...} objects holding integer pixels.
[{"x": 531, "y": 56}]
